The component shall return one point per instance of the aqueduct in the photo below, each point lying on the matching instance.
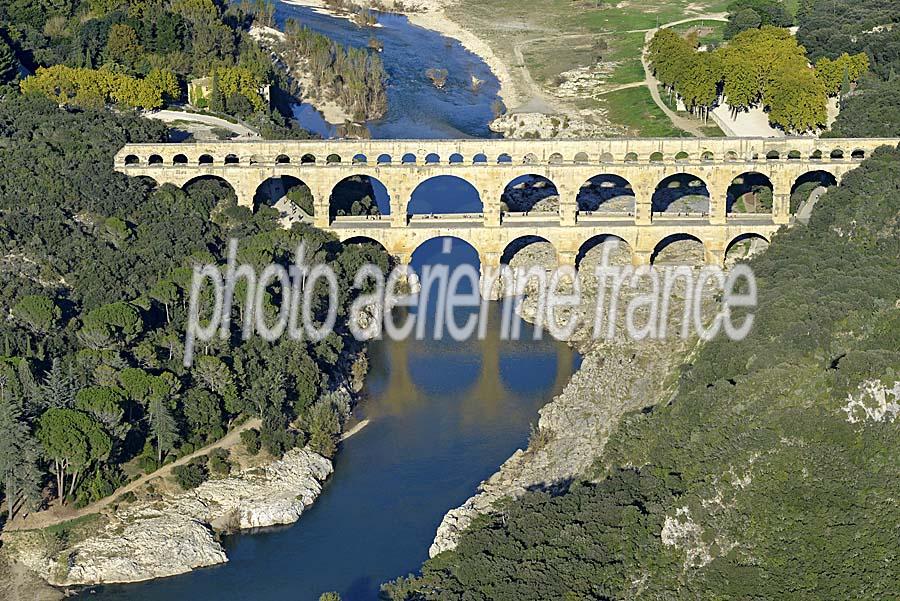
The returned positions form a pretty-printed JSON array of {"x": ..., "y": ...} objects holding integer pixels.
[{"x": 490, "y": 165}]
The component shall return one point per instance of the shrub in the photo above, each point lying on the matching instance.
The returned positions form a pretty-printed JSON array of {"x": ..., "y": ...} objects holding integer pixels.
[
  {"x": 192, "y": 475},
  {"x": 218, "y": 462},
  {"x": 250, "y": 439}
]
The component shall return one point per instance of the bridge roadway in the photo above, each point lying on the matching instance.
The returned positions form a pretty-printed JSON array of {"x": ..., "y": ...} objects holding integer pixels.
[{"x": 490, "y": 165}]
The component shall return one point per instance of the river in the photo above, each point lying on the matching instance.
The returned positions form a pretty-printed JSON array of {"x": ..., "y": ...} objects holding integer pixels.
[{"x": 443, "y": 415}]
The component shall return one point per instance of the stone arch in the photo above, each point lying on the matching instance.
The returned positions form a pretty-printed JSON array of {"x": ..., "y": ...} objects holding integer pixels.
[
  {"x": 804, "y": 186},
  {"x": 819, "y": 176},
  {"x": 479, "y": 159},
  {"x": 179, "y": 159},
  {"x": 816, "y": 155},
  {"x": 288, "y": 195},
  {"x": 707, "y": 156},
  {"x": 681, "y": 193},
  {"x": 591, "y": 252},
  {"x": 155, "y": 159},
  {"x": 682, "y": 157},
  {"x": 444, "y": 194},
  {"x": 744, "y": 247},
  {"x": 504, "y": 158},
  {"x": 606, "y": 193},
  {"x": 308, "y": 159},
  {"x": 257, "y": 159},
  {"x": 282, "y": 159},
  {"x": 555, "y": 159},
  {"x": 631, "y": 157},
  {"x": 365, "y": 241},
  {"x": 794, "y": 155},
  {"x": 528, "y": 193},
  {"x": 383, "y": 159},
  {"x": 220, "y": 190},
  {"x": 360, "y": 159},
  {"x": 456, "y": 159},
  {"x": 408, "y": 159},
  {"x": 858, "y": 154},
  {"x": 581, "y": 158},
  {"x": 656, "y": 157},
  {"x": 543, "y": 257},
  {"x": 333, "y": 159},
  {"x": 232, "y": 159},
  {"x": 731, "y": 156},
  {"x": 607, "y": 157},
  {"x": 205, "y": 159},
  {"x": 452, "y": 250},
  {"x": 132, "y": 159},
  {"x": 773, "y": 155},
  {"x": 837, "y": 154},
  {"x": 530, "y": 159},
  {"x": 359, "y": 195},
  {"x": 679, "y": 249},
  {"x": 432, "y": 158},
  {"x": 750, "y": 192}
]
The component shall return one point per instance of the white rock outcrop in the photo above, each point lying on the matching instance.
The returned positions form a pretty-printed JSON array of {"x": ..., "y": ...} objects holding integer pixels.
[{"x": 176, "y": 534}]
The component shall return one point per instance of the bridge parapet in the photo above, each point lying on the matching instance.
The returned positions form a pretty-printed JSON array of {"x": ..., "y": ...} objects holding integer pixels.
[{"x": 612, "y": 151}]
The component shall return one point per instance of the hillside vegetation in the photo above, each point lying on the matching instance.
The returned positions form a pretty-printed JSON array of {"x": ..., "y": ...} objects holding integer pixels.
[{"x": 773, "y": 473}]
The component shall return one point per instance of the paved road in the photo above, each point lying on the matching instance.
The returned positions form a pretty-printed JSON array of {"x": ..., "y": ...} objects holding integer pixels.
[
  {"x": 169, "y": 116},
  {"x": 689, "y": 125}
]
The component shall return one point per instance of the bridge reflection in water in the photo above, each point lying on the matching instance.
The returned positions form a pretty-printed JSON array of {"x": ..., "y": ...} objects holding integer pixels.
[{"x": 484, "y": 372}]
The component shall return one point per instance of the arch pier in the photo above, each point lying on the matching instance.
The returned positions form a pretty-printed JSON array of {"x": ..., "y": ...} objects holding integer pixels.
[{"x": 697, "y": 205}]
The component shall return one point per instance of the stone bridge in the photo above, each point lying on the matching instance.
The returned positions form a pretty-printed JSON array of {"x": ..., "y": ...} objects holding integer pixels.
[{"x": 490, "y": 165}]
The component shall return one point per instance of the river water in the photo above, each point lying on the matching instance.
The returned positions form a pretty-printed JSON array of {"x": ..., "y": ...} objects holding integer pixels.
[{"x": 444, "y": 415}]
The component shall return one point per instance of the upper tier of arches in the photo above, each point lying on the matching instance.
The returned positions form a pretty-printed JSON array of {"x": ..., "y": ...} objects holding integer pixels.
[{"x": 824, "y": 153}]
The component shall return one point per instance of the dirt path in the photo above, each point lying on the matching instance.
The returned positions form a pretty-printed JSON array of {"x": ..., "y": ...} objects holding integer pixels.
[
  {"x": 689, "y": 125},
  {"x": 58, "y": 514}
]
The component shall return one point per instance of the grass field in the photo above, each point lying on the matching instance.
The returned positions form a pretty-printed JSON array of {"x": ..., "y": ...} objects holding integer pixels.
[
  {"x": 635, "y": 109},
  {"x": 564, "y": 35}
]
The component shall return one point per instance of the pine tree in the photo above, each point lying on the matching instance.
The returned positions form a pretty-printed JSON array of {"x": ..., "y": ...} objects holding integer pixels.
[
  {"x": 162, "y": 426},
  {"x": 57, "y": 391},
  {"x": 19, "y": 473},
  {"x": 8, "y": 63}
]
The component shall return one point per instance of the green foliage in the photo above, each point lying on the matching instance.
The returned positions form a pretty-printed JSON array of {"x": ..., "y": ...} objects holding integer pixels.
[
  {"x": 8, "y": 63},
  {"x": 219, "y": 463},
  {"x": 777, "y": 493},
  {"x": 192, "y": 474},
  {"x": 73, "y": 441},
  {"x": 250, "y": 440},
  {"x": 354, "y": 76},
  {"x": 94, "y": 88},
  {"x": 753, "y": 14},
  {"x": 37, "y": 311},
  {"x": 758, "y": 67},
  {"x": 329, "y": 597}
]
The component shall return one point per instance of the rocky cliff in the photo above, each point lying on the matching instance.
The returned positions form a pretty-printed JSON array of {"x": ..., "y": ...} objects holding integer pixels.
[
  {"x": 173, "y": 535},
  {"x": 616, "y": 377}
]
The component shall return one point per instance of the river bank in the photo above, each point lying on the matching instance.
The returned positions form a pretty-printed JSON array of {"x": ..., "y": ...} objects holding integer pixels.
[
  {"x": 615, "y": 377},
  {"x": 430, "y": 14}
]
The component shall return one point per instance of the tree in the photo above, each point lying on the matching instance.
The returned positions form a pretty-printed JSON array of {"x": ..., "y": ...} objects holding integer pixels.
[
  {"x": 20, "y": 476},
  {"x": 103, "y": 403},
  {"x": 39, "y": 313},
  {"x": 329, "y": 597},
  {"x": 163, "y": 427},
  {"x": 123, "y": 46},
  {"x": 203, "y": 413},
  {"x": 58, "y": 389},
  {"x": 73, "y": 442},
  {"x": 8, "y": 63}
]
